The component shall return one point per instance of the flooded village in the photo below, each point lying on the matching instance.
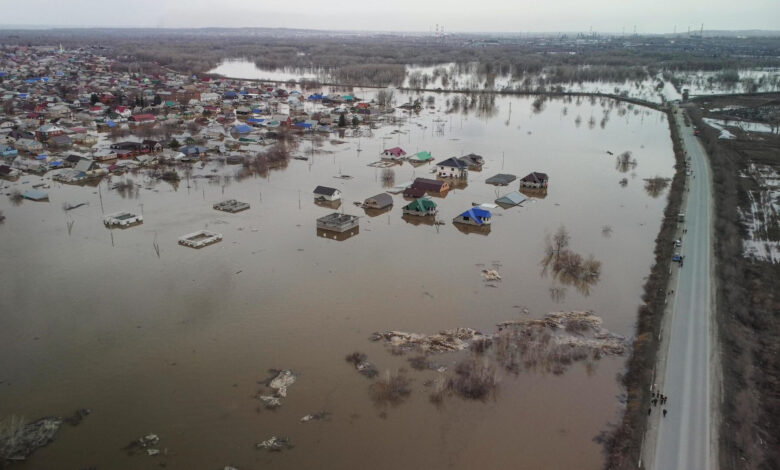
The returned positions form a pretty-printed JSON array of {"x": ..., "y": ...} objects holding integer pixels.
[
  {"x": 448, "y": 265},
  {"x": 420, "y": 237}
]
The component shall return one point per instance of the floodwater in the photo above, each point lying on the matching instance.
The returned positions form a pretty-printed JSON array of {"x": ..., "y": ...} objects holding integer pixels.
[
  {"x": 239, "y": 68},
  {"x": 176, "y": 344}
]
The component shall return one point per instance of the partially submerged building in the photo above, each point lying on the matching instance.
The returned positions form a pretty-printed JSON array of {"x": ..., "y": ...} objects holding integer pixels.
[
  {"x": 122, "y": 219},
  {"x": 420, "y": 207},
  {"x": 534, "y": 180},
  {"x": 452, "y": 168},
  {"x": 429, "y": 185},
  {"x": 380, "y": 201},
  {"x": 231, "y": 205},
  {"x": 336, "y": 222},
  {"x": 200, "y": 239},
  {"x": 501, "y": 179},
  {"x": 325, "y": 193},
  {"x": 474, "y": 216},
  {"x": 515, "y": 198}
]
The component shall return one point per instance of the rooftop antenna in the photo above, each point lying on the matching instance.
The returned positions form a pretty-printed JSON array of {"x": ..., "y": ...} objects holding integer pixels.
[
  {"x": 701, "y": 32},
  {"x": 634, "y": 30}
]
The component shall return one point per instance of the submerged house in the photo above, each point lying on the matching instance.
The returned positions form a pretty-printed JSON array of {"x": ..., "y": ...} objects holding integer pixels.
[
  {"x": 336, "y": 222},
  {"x": 420, "y": 207},
  {"x": 324, "y": 193},
  {"x": 451, "y": 168},
  {"x": 380, "y": 201},
  {"x": 535, "y": 180},
  {"x": 474, "y": 216},
  {"x": 394, "y": 153},
  {"x": 501, "y": 179},
  {"x": 420, "y": 157},
  {"x": 429, "y": 185},
  {"x": 514, "y": 198},
  {"x": 473, "y": 161}
]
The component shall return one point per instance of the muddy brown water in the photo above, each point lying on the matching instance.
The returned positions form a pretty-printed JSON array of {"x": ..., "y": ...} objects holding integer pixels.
[{"x": 176, "y": 344}]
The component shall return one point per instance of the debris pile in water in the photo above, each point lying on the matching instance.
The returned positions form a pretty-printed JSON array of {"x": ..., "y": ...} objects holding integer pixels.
[
  {"x": 548, "y": 344},
  {"x": 360, "y": 361},
  {"x": 19, "y": 439},
  {"x": 279, "y": 381},
  {"x": 456, "y": 339},
  {"x": 275, "y": 444}
]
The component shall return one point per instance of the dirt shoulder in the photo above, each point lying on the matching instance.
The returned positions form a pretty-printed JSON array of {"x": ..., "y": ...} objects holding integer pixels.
[{"x": 747, "y": 304}]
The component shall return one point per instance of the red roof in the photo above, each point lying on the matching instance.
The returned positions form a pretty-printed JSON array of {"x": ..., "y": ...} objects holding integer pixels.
[{"x": 142, "y": 117}]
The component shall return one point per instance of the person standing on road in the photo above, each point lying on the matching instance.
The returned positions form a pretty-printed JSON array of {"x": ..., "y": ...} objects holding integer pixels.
[{"x": 664, "y": 412}]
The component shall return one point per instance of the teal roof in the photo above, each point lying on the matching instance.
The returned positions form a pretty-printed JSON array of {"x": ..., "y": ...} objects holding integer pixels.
[{"x": 421, "y": 205}]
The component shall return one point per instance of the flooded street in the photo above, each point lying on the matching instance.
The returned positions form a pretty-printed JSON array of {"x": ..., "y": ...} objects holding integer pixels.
[{"x": 177, "y": 344}]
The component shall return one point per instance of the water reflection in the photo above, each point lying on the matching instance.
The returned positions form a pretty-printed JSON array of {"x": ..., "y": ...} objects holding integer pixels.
[
  {"x": 625, "y": 161},
  {"x": 473, "y": 229},
  {"x": 337, "y": 236},
  {"x": 557, "y": 294},
  {"x": 540, "y": 193},
  {"x": 328, "y": 204},
  {"x": 419, "y": 220},
  {"x": 375, "y": 212}
]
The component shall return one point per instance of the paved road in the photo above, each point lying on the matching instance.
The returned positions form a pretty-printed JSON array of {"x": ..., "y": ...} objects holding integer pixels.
[{"x": 683, "y": 441}]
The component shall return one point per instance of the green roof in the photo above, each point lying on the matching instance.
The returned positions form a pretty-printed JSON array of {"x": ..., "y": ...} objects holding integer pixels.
[
  {"x": 423, "y": 156},
  {"x": 421, "y": 205}
]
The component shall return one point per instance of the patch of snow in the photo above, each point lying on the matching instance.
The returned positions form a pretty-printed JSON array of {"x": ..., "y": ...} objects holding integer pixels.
[{"x": 724, "y": 134}]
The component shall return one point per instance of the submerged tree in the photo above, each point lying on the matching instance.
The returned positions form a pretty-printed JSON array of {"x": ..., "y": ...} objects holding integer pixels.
[
  {"x": 625, "y": 162},
  {"x": 656, "y": 186}
]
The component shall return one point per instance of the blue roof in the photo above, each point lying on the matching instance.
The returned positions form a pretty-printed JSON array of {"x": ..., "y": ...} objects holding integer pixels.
[
  {"x": 110, "y": 123},
  {"x": 40, "y": 157},
  {"x": 305, "y": 125},
  {"x": 255, "y": 120},
  {"x": 315, "y": 96},
  {"x": 476, "y": 214},
  {"x": 242, "y": 128},
  {"x": 55, "y": 164}
]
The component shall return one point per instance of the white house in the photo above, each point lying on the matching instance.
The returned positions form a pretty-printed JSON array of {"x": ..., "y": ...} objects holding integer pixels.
[
  {"x": 324, "y": 193},
  {"x": 451, "y": 168}
]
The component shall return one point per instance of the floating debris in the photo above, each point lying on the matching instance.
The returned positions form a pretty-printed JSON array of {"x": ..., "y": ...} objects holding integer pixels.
[
  {"x": 490, "y": 275},
  {"x": 359, "y": 360},
  {"x": 278, "y": 382},
  {"x": 144, "y": 445},
  {"x": 282, "y": 380},
  {"x": 456, "y": 339},
  {"x": 276, "y": 444},
  {"x": 320, "y": 416},
  {"x": 20, "y": 439},
  {"x": 78, "y": 416},
  {"x": 270, "y": 402}
]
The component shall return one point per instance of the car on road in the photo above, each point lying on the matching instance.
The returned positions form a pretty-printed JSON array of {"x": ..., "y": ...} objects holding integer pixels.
[{"x": 696, "y": 132}]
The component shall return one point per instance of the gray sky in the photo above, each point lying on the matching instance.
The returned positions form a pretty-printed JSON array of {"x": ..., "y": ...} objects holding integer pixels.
[{"x": 649, "y": 16}]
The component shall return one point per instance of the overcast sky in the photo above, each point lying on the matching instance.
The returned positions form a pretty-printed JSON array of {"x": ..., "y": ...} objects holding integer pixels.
[{"x": 649, "y": 16}]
